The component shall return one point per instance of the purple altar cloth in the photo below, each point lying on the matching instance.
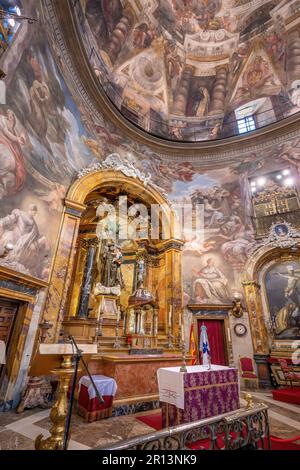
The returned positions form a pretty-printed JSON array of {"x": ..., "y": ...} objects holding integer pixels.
[{"x": 206, "y": 394}]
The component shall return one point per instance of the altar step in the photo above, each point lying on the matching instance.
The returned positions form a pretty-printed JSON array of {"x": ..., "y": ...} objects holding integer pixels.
[{"x": 107, "y": 343}]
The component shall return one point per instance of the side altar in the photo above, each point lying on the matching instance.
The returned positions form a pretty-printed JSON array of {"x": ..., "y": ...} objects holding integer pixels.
[{"x": 126, "y": 293}]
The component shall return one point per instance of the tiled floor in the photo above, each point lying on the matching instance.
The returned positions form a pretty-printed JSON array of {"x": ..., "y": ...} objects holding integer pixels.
[{"x": 18, "y": 432}]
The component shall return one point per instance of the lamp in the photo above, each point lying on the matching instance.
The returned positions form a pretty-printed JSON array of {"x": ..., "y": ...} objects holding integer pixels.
[
  {"x": 12, "y": 17},
  {"x": 237, "y": 310},
  {"x": 9, "y": 15}
]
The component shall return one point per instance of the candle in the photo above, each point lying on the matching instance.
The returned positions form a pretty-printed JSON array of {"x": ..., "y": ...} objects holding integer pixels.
[
  {"x": 100, "y": 309},
  {"x": 170, "y": 317},
  {"x": 182, "y": 333},
  {"x": 229, "y": 336}
]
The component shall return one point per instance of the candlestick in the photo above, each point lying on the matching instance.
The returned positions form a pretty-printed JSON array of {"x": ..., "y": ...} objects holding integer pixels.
[
  {"x": 170, "y": 317},
  {"x": 183, "y": 366}
]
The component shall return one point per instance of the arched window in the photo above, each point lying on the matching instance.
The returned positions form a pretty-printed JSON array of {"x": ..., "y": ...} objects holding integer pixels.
[{"x": 10, "y": 13}]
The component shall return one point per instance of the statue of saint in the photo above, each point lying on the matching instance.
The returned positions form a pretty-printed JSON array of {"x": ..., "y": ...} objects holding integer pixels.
[{"x": 112, "y": 261}]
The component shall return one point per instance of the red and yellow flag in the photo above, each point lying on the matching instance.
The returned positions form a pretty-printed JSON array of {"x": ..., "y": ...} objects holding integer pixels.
[{"x": 193, "y": 350}]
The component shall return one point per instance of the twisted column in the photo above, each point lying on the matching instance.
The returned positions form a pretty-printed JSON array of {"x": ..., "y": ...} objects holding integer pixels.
[
  {"x": 182, "y": 92},
  {"x": 293, "y": 55},
  {"x": 217, "y": 103},
  {"x": 119, "y": 35}
]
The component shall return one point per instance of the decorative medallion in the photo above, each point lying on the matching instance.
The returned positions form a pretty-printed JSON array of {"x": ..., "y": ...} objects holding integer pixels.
[{"x": 281, "y": 235}]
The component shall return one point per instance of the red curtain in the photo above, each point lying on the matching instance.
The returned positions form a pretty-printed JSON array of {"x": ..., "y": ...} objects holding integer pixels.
[{"x": 216, "y": 340}]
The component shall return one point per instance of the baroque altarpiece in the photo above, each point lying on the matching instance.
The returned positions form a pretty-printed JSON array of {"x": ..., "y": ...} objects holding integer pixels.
[{"x": 125, "y": 293}]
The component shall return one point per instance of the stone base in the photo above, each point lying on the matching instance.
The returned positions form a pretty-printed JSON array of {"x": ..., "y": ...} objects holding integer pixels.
[{"x": 263, "y": 370}]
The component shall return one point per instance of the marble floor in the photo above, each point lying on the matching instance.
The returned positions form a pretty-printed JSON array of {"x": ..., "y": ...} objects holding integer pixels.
[{"x": 18, "y": 432}]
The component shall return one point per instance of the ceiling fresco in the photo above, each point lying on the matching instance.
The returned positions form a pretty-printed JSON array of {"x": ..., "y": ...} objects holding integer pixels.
[{"x": 180, "y": 69}]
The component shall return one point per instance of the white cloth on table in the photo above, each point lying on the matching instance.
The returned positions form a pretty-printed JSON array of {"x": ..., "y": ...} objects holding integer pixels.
[
  {"x": 171, "y": 385},
  {"x": 105, "y": 385},
  {"x": 2, "y": 352}
]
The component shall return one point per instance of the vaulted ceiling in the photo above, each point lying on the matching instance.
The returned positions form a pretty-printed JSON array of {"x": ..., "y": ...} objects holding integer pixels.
[{"x": 189, "y": 69}]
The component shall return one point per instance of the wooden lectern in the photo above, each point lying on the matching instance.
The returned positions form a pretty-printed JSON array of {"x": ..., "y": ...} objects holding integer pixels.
[{"x": 56, "y": 359}]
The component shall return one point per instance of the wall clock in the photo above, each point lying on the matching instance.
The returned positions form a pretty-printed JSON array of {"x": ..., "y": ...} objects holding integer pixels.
[{"x": 240, "y": 329}]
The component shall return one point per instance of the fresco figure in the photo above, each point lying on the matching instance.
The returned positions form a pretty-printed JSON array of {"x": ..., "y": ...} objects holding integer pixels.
[
  {"x": 12, "y": 166},
  {"x": 211, "y": 286},
  {"x": 30, "y": 247}
]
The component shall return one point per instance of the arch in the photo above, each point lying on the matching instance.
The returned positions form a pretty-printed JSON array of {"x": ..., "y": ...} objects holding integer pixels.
[
  {"x": 82, "y": 187},
  {"x": 75, "y": 204},
  {"x": 264, "y": 255}
]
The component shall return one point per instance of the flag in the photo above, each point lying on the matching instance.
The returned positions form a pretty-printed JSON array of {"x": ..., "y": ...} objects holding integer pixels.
[
  {"x": 204, "y": 346},
  {"x": 193, "y": 350}
]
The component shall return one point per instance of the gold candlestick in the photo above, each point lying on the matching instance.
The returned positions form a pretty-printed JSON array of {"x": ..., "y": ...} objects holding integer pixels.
[{"x": 59, "y": 410}]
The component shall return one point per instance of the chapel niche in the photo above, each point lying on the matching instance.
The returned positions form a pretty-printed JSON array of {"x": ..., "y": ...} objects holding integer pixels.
[{"x": 135, "y": 314}]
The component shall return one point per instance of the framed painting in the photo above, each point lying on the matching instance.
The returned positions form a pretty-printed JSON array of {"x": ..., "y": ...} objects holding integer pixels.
[{"x": 282, "y": 290}]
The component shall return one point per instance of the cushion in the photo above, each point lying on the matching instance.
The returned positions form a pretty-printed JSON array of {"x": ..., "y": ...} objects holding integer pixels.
[
  {"x": 249, "y": 375},
  {"x": 246, "y": 364}
]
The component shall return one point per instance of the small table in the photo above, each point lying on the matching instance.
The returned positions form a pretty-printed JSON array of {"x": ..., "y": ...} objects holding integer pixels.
[
  {"x": 88, "y": 404},
  {"x": 198, "y": 394}
]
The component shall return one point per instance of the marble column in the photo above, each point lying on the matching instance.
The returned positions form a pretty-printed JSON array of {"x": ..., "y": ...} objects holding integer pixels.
[
  {"x": 87, "y": 278},
  {"x": 218, "y": 96},
  {"x": 258, "y": 331},
  {"x": 293, "y": 55},
  {"x": 119, "y": 35},
  {"x": 182, "y": 92}
]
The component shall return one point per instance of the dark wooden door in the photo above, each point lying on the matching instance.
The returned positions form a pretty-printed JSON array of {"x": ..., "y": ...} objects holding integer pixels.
[{"x": 8, "y": 312}]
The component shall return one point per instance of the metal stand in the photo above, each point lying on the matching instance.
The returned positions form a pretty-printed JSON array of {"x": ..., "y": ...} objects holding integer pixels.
[{"x": 78, "y": 358}]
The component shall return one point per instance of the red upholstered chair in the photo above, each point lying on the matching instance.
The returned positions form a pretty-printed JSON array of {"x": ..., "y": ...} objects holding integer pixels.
[
  {"x": 248, "y": 374},
  {"x": 289, "y": 374}
]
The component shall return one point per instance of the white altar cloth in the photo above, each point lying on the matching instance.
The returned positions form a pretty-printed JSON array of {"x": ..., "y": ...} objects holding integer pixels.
[
  {"x": 105, "y": 385},
  {"x": 170, "y": 382}
]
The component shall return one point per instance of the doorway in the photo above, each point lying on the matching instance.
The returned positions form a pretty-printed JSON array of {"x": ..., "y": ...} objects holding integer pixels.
[
  {"x": 8, "y": 314},
  {"x": 216, "y": 338}
]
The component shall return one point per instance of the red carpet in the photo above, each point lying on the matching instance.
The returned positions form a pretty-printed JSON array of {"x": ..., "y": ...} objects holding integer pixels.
[
  {"x": 155, "y": 422},
  {"x": 288, "y": 395}
]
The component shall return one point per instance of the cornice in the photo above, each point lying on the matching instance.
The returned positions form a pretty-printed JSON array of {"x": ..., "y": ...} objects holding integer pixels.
[{"x": 80, "y": 76}]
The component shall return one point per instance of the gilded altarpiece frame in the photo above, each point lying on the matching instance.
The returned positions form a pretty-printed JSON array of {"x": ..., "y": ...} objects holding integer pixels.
[
  {"x": 164, "y": 275},
  {"x": 266, "y": 347}
]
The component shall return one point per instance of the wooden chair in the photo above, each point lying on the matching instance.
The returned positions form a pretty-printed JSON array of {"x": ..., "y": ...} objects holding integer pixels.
[
  {"x": 288, "y": 372},
  {"x": 247, "y": 370}
]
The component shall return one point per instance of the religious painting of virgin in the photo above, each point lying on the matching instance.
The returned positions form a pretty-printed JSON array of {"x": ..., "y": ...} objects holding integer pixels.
[
  {"x": 282, "y": 287},
  {"x": 281, "y": 230}
]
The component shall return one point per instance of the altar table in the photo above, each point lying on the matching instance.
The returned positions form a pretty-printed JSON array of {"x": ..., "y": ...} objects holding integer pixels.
[
  {"x": 197, "y": 394},
  {"x": 88, "y": 403}
]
